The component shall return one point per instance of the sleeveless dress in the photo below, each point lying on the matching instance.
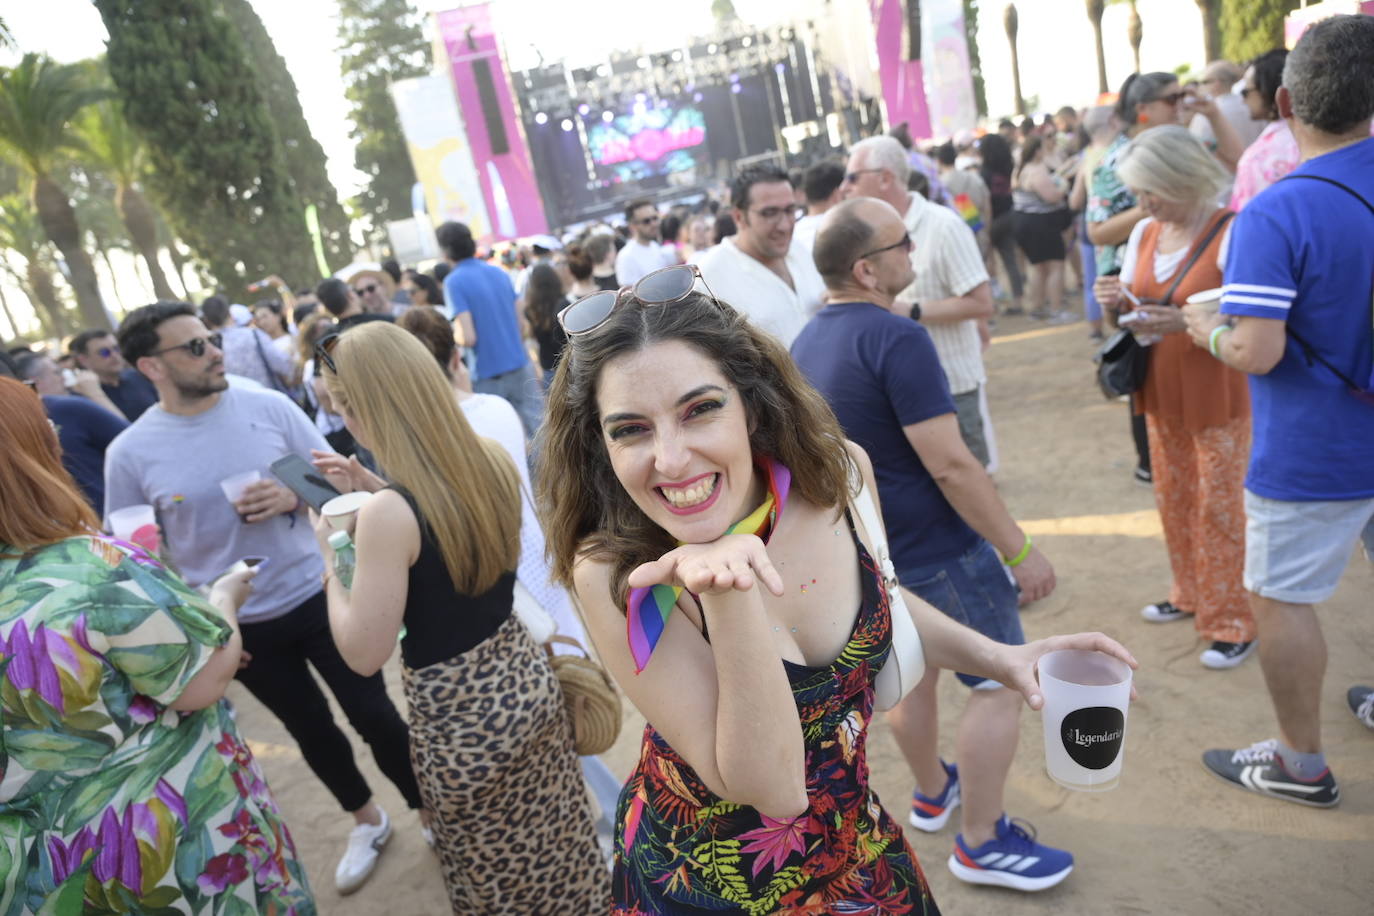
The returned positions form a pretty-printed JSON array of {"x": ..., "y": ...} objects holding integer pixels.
[{"x": 680, "y": 849}]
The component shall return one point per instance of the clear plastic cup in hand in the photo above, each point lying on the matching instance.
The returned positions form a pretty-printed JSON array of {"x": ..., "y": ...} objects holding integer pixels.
[
  {"x": 234, "y": 485},
  {"x": 1087, "y": 695},
  {"x": 135, "y": 524}
]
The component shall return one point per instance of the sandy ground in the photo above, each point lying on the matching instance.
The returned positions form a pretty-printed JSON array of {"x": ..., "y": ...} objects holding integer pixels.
[{"x": 1171, "y": 838}]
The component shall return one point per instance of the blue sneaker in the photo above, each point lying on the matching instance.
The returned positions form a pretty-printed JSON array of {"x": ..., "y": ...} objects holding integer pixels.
[
  {"x": 1013, "y": 859},
  {"x": 930, "y": 813}
]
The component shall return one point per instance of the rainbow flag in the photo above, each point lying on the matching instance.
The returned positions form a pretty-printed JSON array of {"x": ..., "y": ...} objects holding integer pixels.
[{"x": 966, "y": 208}]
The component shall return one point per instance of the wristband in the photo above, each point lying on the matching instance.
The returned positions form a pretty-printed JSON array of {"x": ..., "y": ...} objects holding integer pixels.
[
  {"x": 1215, "y": 338},
  {"x": 1020, "y": 557},
  {"x": 915, "y": 311}
]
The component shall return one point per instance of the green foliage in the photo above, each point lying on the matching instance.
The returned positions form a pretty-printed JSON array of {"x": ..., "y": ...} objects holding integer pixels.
[
  {"x": 1251, "y": 27},
  {"x": 305, "y": 159},
  {"x": 39, "y": 99},
  {"x": 218, "y": 168},
  {"x": 380, "y": 41},
  {"x": 975, "y": 62}
]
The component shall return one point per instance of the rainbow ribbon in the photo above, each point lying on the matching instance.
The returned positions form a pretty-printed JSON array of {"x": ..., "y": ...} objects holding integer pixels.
[{"x": 647, "y": 613}]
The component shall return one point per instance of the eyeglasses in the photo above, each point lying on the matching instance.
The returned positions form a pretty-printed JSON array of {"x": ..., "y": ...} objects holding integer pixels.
[
  {"x": 1172, "y": 98},
  {"x": 852, "y": 177},
  {"x": 775, "y": 214},
  {"x": 365, "y": 290},
  {"x": 903, "y": 243},
  {"x": 105, "y": 352},
  {"x": 325, "y": 346},
  {"x": 196, "y": 345},
  {"x": 663, "y": 286}
]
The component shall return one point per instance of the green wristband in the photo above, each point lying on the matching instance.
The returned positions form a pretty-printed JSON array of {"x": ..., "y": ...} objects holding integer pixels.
[
  {"x": 1020, "y": 557},
  {"x": 1215, "y": 338}
]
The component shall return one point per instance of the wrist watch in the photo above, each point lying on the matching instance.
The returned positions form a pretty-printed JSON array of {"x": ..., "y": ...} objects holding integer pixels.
[{"x": 915, "y": 311}]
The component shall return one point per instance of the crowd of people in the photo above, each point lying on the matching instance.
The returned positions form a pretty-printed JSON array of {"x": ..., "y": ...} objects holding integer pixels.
[{"x": 670, "y": 427}]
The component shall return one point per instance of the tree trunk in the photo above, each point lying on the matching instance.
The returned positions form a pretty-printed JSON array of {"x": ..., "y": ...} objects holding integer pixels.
[
  {"x": 1211, "y": 34},
  {"x": 9, "y": 316},
  {"x": 45, "y": 298},
  {"x": 104, "y": 252},
  {"x": 138, "y": 219},
  {"x": 59, "y": 222},
  {"x": 174, "y": 252},
  {"x": 1095, "y": 9},
  {"x": 1136, "y": 32},
  {"x": 1011, "y": 24}
]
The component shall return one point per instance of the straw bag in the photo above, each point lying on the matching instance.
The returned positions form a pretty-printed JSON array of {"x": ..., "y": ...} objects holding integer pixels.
[{"x": 592, "y": 702}]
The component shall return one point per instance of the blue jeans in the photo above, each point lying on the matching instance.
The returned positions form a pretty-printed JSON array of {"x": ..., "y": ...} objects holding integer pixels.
[
  {"x": 520, "y": 387},
  {"x": 974, "y": 589}
]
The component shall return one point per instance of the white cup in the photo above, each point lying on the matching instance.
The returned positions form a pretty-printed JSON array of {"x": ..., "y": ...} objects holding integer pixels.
[
  {"x": 234, "y": 485},
  {"x": 1087, "y": 695},
  {"x": 1209, "y": 301},
  {"x": 135, "y": 524},
  {"x": 340, "y": 510}
]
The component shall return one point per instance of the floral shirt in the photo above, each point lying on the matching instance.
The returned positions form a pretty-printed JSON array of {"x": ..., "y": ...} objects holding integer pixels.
[
  {"x": 1107, "y": 197},
  {"x": 1273, "y": 155},
  {"x": 110, "y": 802}
]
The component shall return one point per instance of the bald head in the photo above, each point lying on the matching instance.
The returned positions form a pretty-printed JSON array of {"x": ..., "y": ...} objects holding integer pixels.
[
  {"x": 848, "y": 231},
  {"x": 1220, "y": 75}
]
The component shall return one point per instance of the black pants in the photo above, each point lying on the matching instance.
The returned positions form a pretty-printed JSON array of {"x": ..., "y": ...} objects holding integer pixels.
[
  {"x": 1141, "y": 437},
  {"x": 279, "y": 678}
]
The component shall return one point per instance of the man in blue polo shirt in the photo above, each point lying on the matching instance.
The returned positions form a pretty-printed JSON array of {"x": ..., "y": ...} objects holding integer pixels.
[
  {"x": 96, "y": 349},
  {"x": 1296, "y": 315},
  {"x": 481, "y": 299},
  {"x": 947, "y": 529}
]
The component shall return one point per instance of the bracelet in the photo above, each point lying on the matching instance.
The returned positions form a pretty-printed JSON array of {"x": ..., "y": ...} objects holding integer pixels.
[
  {"x": 1215, "y": 339},
  {"x": 1020, "y": 557},
  {"x": 915, "y": 311}
]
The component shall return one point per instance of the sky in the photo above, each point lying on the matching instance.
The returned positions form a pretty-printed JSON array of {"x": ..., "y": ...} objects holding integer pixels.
[{"x": 1055, "y": 42}]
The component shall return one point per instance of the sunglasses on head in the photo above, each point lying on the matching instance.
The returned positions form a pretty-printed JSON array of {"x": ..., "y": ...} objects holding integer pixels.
[
  {"x": 195, "y": 346},
  {"x": 365, "y": 290},
  {"x": 662, "y": 286},
  {"x": 324, "y": 347}
]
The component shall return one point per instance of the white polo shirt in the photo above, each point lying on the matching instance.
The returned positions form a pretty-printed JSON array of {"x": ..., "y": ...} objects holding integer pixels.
[
  {"x": 945, "y": 256},
  {"x": 761, "y": 295},
  {"x": 637, "y": 260}
]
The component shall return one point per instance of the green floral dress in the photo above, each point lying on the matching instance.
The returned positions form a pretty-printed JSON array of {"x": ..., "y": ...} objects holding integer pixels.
[{"x": 109, "y": 801}]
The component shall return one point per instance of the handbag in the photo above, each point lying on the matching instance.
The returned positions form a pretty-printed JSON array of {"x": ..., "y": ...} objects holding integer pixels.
[
  {"x": 906, "y": 660},
  {"x": 589, "y": 696},
  {"x": 1122, "y": 362}
]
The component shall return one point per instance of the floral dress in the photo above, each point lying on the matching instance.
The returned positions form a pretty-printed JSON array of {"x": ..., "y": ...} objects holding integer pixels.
[
  {"x": 109, "y": 801},
  {"x": 681, "y": 849},
  {"x": 1108, "y": 196}
]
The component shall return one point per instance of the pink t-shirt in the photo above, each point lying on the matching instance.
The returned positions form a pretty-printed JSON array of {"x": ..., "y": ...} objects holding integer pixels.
[{"x": 1273, "y": 155}]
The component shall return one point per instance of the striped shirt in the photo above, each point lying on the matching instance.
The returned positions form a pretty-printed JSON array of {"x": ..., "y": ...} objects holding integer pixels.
[{"x": 945, "y": 256}]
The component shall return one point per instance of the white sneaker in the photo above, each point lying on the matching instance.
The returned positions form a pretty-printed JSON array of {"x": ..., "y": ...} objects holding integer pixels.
[{"x": 365, "y": 844}]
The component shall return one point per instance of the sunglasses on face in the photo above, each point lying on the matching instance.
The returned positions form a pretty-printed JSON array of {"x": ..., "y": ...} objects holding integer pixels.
[
  {"x": 103, "y": 352},
  {"x": 1172, "y": 98},
  {"x": 903, "y": 243},
  {"x": 324, "y": 347},
  {"x": 647, "y": 220},
  {"x": 853, "y": 177},
  {"x": 775, "y": 214},
  {"x": 663, "y": 286},
  {"x": 196, "y": 346},
  {"x": 365, "y": 290}
]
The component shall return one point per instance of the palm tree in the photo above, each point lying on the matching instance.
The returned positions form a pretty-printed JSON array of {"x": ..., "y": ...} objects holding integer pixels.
[
  {"x": 1211, "y": 33},
  {"x": 119, "y": 153},
  {"x": 9, "y": 316},
  {"x": 1135, "y": 32},
  {"x": 1011, "y": 24},
  {"x": 1095, "y": 8},
  {"x": 38, "y": 101},
  {"x": 21, "y": 233}
]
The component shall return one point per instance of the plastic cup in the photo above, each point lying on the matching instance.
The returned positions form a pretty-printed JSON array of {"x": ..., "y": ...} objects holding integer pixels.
[
  {"x": 1208, "y": 301},
  {"x": 340, "y": 511},
  {"x": 137, "y": 525},
  {"x": 1087, "y": 695},
  {"x": 234, "y": 485}
]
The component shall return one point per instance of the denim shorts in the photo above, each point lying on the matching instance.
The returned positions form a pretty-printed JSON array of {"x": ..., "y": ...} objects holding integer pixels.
[
  {"x": 1296, "y": 552},
  {"x": 976, "y": 590}
]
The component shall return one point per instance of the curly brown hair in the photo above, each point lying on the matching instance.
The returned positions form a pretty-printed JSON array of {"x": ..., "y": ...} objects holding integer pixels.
[{"x": 585, "y": 510}]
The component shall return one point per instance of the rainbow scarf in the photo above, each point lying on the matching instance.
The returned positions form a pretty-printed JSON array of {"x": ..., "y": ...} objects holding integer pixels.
[
  {"x": 647, "y": 613},
  {"x": 965, "y": 207}
]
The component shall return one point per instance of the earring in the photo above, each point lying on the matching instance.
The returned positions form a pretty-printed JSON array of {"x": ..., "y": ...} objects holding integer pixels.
[{"x": 1142, "y": 118}]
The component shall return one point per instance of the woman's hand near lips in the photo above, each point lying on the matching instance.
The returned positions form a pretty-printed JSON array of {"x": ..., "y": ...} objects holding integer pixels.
[{"x": 734, "y": 562}]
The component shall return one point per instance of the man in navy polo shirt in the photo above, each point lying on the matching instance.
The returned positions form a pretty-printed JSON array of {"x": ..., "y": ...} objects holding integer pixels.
[
  {"x": 1295, "y": 314},
  {"x": 96, "y": 349}
]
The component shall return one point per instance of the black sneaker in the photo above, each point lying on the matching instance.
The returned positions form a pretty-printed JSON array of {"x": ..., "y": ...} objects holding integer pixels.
[
  {"x": 1361, "y": 700},
  {"x": 1163, "y": 612},
  {"x": 1223, "y": 655},
  {"x": 1257, "y": 769},
  {"x": 1144, "y": 477}
]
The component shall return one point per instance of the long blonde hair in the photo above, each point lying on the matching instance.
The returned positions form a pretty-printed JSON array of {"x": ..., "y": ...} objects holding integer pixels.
[{"x": 465, "y": 486}]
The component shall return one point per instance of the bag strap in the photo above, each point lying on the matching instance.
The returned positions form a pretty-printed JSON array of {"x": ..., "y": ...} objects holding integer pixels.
[
  {"x": 1331, "y": 181},
  {"x": 1197, "y": 253},
  {"x": 868, "y": 516},
  {"x": 271, "y": 376}
]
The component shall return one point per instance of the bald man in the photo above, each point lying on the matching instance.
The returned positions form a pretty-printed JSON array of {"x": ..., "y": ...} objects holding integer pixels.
[{"x": 948, "y": 532}]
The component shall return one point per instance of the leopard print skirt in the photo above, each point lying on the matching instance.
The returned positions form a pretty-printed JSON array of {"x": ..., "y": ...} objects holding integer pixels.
[{"x": 492, "y": 751}]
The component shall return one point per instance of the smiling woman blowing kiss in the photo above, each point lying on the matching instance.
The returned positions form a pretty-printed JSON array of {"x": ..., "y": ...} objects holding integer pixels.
[{"x": 689, "y": 472}]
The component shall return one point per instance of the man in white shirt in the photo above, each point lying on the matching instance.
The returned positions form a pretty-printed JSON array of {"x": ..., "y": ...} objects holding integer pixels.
[
  {"x": 642, "y": 254},
  {"x": 1217, "y": 82},
  {"x": 823, "y": 185},
  {"x": 763, "y": 271},
  {"x": 950, "y": 295}
]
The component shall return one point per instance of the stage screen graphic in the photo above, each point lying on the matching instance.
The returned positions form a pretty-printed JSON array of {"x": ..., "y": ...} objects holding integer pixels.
[{"x": 647, "y": 142}]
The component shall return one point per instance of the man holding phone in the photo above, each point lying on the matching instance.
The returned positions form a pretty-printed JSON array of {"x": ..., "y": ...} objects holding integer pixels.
[{"x": 200, "y": 432}]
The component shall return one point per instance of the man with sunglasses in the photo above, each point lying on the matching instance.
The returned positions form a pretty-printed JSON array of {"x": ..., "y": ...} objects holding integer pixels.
[
  {"x": 97, "y": 351},
  {"x": 763, "y": 270},
  {"x": 642, "y": 254},
  {"x": 201, "y": 432},
  {"x": 950, "y": 294}
]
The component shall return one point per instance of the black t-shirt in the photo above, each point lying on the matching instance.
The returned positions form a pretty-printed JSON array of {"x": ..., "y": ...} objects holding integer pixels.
[
  {"x": 606, "y": 282},
  {"x": 361, "y": 318},
  {"x": 133, "y": 395},
  {"x": 551, "y": 340},
  {"x": 441, "y": 623}
]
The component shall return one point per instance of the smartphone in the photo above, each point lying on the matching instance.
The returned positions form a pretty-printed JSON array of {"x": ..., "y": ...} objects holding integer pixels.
[
  {"x": 246, "y": 563},
  {"x": 305, "y": 480}
]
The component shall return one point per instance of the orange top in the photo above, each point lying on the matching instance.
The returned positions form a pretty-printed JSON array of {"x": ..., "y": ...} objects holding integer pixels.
[{"x": 1185, "y": 382}]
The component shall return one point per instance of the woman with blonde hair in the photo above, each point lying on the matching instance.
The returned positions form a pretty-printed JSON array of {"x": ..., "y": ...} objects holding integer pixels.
[
  {"x": 436, "y": 555},
  {"x": 1197, "y": 410}
]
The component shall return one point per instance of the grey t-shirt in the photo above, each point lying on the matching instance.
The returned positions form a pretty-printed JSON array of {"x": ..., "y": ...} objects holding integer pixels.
[{"x": 175, "y": 463}]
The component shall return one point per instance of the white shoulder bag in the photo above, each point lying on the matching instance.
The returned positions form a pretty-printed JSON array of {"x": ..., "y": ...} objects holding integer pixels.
[{"x": 906, "y": 663}]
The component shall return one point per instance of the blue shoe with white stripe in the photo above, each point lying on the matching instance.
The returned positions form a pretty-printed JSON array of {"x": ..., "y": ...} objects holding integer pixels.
[
  {"x": 1012, "y": 859},
  {"x": 930, "y": 813}
]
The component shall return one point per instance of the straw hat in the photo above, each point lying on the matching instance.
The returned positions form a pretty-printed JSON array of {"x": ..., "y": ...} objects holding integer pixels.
[{"x": 354, "y": 274}]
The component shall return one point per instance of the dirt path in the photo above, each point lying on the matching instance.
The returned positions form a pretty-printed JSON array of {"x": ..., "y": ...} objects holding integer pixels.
[{"x": 1171, "y": 839}]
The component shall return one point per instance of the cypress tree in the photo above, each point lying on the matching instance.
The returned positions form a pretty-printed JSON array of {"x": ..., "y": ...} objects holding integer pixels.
[
  {"x": 217, "y": 165},
  {"x": 1251, "y": 27},
  {"x": 305, "y": 159},
  {"x": 380, "y": 42}
]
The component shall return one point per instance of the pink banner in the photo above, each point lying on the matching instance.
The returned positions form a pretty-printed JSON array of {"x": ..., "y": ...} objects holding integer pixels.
[
  {"x": 498, "y": 147},
  {"x": 904, "y": 92}
]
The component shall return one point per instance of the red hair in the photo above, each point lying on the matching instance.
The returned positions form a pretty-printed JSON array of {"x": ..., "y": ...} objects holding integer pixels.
[{"x": 39, "y": 502}]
